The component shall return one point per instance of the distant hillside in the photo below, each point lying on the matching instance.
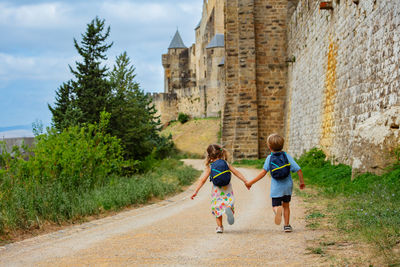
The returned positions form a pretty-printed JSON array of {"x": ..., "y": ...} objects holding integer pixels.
[
  {"x": 16, "y": 131},
  {"x": 194, "y": 136}
]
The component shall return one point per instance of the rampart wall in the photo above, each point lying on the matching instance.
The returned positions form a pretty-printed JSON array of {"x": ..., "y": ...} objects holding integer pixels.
[
  {"x": 256, "y": 74},
  {"x": 343, "y": 88}
]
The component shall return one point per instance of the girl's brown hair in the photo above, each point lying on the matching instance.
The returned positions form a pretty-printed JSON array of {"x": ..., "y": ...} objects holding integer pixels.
[{"x": 215, "y": 152}]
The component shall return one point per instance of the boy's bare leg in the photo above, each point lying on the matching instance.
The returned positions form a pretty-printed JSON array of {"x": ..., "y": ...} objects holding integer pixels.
[
  {"x": 286, "y": 212},
  {"x": 219, "y": 221},
  {"x": 278, "y": 214}
]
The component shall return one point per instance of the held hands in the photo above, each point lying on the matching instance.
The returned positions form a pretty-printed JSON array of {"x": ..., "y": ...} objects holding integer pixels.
[{"x": 248, "y": 185}]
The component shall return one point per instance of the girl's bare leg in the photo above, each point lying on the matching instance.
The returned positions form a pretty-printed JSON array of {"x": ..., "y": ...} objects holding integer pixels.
[
  {"x": 219, "y": 221},
  {"x": 286, "y": 212}
]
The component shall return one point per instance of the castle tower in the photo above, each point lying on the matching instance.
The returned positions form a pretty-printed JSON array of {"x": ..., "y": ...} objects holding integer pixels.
[
  {"x": 215, "y": 82},
  {"x": 176, "y": 65},
  {"x": 256, "y": 75}
]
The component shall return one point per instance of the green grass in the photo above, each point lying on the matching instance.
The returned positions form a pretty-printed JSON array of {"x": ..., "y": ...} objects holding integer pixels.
[
  {"x": 25, "y": 209},
  {"x": 317, "y": 250},
  {"x": 254, "y": 163},
  {"x": 367, "y": 207},
  {"x": 315, "y": 214}
]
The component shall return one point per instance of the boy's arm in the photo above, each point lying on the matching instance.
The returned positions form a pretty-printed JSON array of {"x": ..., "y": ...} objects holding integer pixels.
[
  {"x": 202, "y": 181},
  {"x": 258, "y": 178},
  {"x": 237, "y": 173},
  {"x": 301, "y": 179}
]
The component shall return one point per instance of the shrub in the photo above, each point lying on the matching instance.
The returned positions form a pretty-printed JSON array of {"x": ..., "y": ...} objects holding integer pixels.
[
  {"x": 76, "y": 173},
  {"x": 183, "y": 118},
  {"x": 78, "y": 157}
]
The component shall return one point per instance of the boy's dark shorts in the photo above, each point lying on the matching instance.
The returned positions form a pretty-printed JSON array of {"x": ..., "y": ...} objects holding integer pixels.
[{"x": 277, "y": 201}]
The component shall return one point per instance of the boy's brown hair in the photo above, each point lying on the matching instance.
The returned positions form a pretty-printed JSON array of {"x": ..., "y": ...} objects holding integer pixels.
[{"x": 275, "y": 142}]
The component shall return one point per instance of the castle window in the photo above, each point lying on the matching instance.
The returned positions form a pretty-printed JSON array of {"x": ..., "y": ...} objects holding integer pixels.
[{"x": 205, "y": 74}]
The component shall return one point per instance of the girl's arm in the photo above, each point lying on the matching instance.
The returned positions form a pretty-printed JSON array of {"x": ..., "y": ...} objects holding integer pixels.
[
  {"x": 202, "y": 181},
  {"x": 237, "y": 173},
  {"x": 258, "y": 178}
]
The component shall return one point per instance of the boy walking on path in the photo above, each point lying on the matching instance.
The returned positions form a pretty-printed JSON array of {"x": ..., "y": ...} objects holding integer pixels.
[{"x": 280, "y": 164}]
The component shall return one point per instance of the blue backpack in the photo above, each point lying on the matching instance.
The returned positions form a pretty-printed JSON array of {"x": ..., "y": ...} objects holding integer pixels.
[
  {"x": 279, "y": 165},
  {"x": 220, "y": 174}
]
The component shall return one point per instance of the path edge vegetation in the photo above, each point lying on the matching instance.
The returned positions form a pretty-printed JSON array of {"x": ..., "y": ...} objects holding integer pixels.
[
  {"x": 103, "y": 152},
  {"x": 78, "y": 173},
  {"x": 364, "y": 209}
]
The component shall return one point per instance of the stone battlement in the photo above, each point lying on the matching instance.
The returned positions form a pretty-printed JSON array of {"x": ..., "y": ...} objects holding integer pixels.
[{"x": 321, "y": 78}]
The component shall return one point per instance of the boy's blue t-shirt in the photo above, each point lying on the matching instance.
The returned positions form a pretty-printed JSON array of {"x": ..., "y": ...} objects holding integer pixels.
[{"x": 280, "y": 188}]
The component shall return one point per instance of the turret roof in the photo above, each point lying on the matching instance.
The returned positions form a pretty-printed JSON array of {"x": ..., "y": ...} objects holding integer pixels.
[
  {"x": 177, "y": 41},
  {"x": 217, "y": 41}
]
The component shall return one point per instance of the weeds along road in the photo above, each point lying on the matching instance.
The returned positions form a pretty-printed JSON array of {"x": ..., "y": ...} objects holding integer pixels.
[{"x": 177, "y": 231}]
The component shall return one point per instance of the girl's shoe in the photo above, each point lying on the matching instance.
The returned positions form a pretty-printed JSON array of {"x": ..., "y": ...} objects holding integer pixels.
[
  {"x": 229, "y": 214},
  {"x": 287, "y": 228},
  {"x": 219, "y": 230},
  {"x": 278, "y": 216}
]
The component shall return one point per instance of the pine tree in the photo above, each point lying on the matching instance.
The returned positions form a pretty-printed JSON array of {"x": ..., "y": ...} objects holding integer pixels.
[
  {"x": 91, "y": 86},
  {"x": 83, "y": 98},
  {"x": 133, "y": 118},
  {"x": 64, "y": 101}
]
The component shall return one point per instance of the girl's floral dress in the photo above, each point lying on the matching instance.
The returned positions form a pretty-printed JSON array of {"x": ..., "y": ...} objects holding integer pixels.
[{"x": 222, "y": 198}]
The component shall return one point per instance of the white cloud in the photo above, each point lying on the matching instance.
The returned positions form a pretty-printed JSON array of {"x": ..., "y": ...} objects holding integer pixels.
[
  {"x": 43, "y": 15},
  {"x": 36, "y": 68},
  {"x": 137, "y": 11}
]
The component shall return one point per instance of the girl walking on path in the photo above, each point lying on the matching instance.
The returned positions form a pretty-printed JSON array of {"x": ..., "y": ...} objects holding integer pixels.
[{"x": 221, "y": 193}]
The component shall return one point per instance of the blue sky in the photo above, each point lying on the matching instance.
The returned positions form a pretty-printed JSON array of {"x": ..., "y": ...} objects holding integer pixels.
[{"x": 37, "y": 46}]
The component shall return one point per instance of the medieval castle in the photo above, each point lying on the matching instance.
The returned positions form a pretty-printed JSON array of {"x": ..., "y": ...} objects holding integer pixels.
[{"x": 321, "y": 73}]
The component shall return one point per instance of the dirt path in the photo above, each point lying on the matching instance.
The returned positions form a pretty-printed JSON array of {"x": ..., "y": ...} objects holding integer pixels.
[{"x": 178, "y": 231}]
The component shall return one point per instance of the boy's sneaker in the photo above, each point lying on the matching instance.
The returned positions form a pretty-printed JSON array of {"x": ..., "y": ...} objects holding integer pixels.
[
  {"x": 219, "y": 230},
  {"x": 287, "y": 228},
  {"x": 229, "y": 214},
  {"x": 278, "y": 216}
]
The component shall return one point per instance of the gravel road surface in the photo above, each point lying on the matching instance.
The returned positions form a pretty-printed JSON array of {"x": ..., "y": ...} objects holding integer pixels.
[{"x": 176, "y": 232}]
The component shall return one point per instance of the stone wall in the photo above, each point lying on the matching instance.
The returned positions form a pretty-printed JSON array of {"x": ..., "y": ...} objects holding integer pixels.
[
  {"x": 11, "y": 142},
  {"x": 166, "y": 106},
  {"x": 240, "y": 120},
  {"x": 214, "y": 93},
  {"x": 256, "y": 71},
  {"x": 343, "y": 88},
  {"x": 191, "y": 101},
  {"x": 271, "y": 68}
]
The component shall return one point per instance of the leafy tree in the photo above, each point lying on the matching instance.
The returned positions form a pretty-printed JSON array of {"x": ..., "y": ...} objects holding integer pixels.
[
  {"x": 133, "y": 118},
  {"x": 81, "y": 99}
]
